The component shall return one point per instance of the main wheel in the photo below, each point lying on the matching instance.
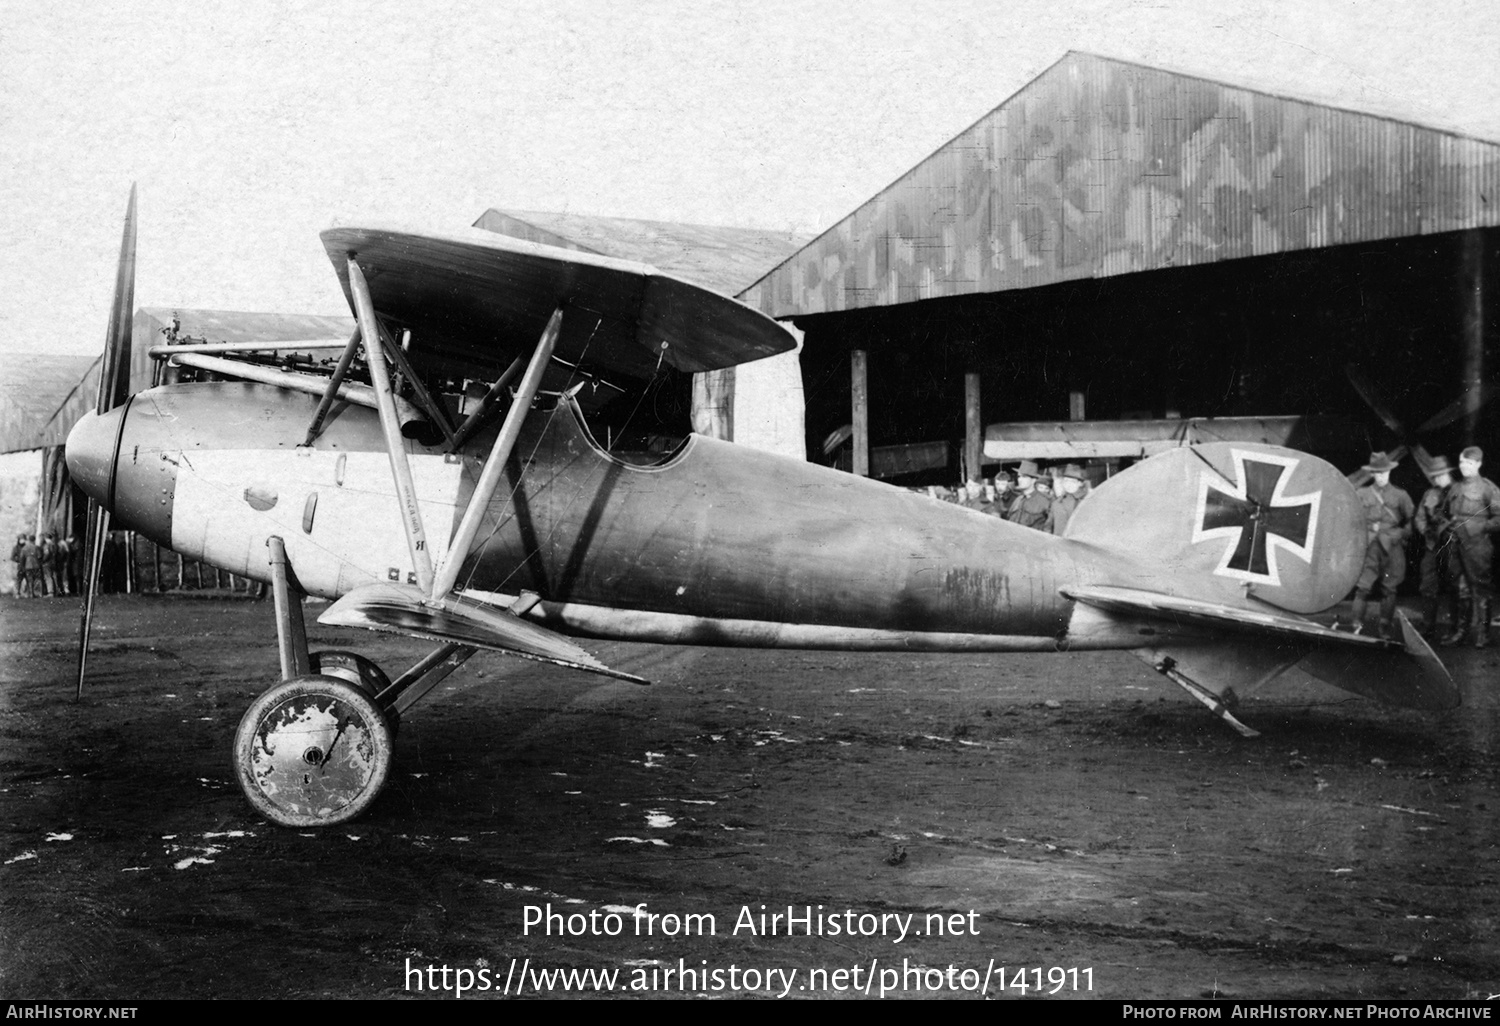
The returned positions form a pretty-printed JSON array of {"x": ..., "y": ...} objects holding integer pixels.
[
  {"x": 349, "y": 666},
  {"x": 313, "y": 751}
]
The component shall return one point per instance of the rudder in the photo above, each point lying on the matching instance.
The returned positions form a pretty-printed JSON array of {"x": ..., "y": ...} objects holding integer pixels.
[{"x": 1231, "y": 522}]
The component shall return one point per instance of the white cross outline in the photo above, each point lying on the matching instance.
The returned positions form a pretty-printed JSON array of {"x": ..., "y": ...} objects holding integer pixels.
[{"x": 1274, "y": 541}]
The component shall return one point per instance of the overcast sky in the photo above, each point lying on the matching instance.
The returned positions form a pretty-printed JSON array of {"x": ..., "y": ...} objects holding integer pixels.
[{"x": 251, "y": 130}]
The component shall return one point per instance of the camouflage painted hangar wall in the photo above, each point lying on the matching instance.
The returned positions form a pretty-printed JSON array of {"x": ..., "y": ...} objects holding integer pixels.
[{"x": 1100, "y": 167}]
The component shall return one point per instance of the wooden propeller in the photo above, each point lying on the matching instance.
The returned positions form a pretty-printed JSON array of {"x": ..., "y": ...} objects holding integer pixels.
[{"x": 114, "y": 388}]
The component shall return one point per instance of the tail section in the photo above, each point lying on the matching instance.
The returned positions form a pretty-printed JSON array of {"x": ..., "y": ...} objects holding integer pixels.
[
  {"x": 1224, "y": 545},
  {"x": 1229, "y": 522}
]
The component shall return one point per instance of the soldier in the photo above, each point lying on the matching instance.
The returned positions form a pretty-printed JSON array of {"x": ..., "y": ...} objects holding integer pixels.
[
  {"x": 15, "y": 557},
  {"x": 1388, "y": 517},
  {"x": 1474, "y": 512},
  {"x": 64, "y": 555},
  {"x": 972, "y": 496},
  {"x": 31, "y": 566},
  {"x": 1071, "y": 483},
  {"x": 49, "y": 565},
  {"x": 75, "y": 565},
  {"x": 1431, "y": 521},
  {"x": 1004, "y": 488},
  {"x": 1029, "y": 507}
]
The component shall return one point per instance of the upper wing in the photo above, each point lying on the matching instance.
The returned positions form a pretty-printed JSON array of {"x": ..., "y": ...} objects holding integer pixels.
[{"x": 477, "y": 299}]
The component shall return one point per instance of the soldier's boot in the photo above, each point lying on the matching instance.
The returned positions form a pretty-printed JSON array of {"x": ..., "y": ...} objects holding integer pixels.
[
  {"x": 1387, "y": 627},
  {"x": 1460, "y": 632},
  {"x": 1358, "y": 614},
  {"x": 1482, "y": 624}
]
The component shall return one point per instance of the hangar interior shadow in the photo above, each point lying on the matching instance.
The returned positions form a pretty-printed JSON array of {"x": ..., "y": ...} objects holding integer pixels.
[{"x": 1258, "y": 336}]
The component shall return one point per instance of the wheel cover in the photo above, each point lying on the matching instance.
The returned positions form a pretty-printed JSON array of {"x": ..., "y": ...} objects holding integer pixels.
[{"x": 312, "y": 751}]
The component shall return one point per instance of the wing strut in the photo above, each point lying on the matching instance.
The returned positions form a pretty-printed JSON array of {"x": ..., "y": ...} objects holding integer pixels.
[
  {"x": 489, "y": 478},
  {"x": 491, "y": 399},
  {"x": 331, "y": 392},
  {"x": 424, "y": 398},
  {"x": 395, "y": 445}
]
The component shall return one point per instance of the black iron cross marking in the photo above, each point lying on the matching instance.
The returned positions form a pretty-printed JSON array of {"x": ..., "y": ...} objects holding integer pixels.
[{"x": 1260, "y": 517}]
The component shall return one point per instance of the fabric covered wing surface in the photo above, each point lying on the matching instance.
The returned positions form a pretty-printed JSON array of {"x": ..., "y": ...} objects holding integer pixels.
[{"x": 477, "y": 298}]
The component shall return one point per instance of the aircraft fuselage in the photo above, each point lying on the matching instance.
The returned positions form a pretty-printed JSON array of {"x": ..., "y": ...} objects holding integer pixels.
[{"x": 718, "y": 544}]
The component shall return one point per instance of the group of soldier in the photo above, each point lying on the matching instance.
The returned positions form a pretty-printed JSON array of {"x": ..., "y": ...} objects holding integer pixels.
[
  {"x": 46, "y": 565},
  {"x": 1454, "y": 520},
  {"x": 1035, "y": 499}
]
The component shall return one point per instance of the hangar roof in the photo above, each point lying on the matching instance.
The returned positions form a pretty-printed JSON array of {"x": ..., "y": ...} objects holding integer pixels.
[
  {"x": 1101, "y": 167},
  {"x": 723, "y": 259},
  {"x": 31, "y": 390}
]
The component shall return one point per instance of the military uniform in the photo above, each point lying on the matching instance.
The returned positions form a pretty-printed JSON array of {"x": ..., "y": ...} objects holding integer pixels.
[
  {"x": 1061, "y": 511},
  {"x": 1030, "y": 509},
  {"x": 1067, "y": 498},
  {"x": 1438, "y": 568},
  {"x": 1473, "y": 507},
  {"x": 1388, "y": 518}
]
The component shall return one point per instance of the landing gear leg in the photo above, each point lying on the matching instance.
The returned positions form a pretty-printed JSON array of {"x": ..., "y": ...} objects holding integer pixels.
[
  {"x": 291, "y": 631},
  {"x": 315, "y": 749}
]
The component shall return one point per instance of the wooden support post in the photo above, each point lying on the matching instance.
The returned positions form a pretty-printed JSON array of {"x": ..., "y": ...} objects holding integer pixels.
[
  {"x": 395, "y": 445},
  {"x": 494, "y": 466},
  {"x": 1473, "y": 330},
  {"x": 973, "y": 429},
  {"x": 859, "y": 382},
  {"x": 291, "y": 630}
]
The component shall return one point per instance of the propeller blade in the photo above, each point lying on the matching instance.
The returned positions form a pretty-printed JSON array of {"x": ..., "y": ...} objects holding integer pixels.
[
  {"x": 1461, "y": 406},
  {"x": 114, "y": 388},
  {"x": 1367, "y": 391},
  {"x": 114, "y": 375},
  {"x": 98, "y": 532}
]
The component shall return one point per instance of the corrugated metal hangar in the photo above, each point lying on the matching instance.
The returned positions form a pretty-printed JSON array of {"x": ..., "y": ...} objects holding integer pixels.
[{"x": 1156, "y": 243}]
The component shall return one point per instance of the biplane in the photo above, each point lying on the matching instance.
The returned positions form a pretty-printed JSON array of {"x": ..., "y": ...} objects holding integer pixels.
[{"x": 499, "y": 522}]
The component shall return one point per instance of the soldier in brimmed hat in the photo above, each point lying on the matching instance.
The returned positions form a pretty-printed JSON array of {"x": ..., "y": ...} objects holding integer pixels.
[
  {"x": 1438, "y": 562},
  {"x": 1070, "y": 481},
  {"x": 1030, "y": 507},
  {"x": 1473, "y": 507},
  {"x": 1388, "y": 517}
]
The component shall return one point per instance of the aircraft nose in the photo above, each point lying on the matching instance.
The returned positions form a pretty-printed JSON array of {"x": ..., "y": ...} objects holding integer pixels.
[
  {"x": 91, "y": 452},
  {"x": 124, "y": 461}
]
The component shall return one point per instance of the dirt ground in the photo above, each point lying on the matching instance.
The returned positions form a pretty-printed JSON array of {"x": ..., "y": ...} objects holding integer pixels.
[{"x": 1089, "y": 815}]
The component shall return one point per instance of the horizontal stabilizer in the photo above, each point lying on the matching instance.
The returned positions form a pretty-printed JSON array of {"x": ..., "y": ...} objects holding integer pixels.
[
  {"x": 401, "y": 609},
  {"x": 1415, "y": 679},
  {"x": 1133, "y": 600},
  {"x": 1408, "y": 675}
]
